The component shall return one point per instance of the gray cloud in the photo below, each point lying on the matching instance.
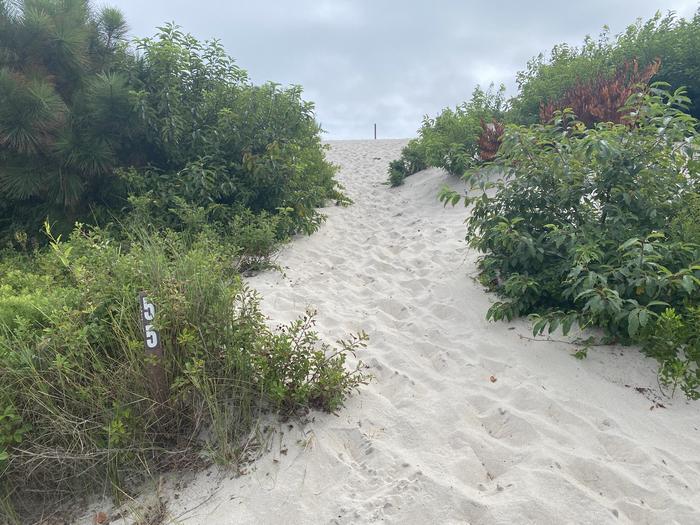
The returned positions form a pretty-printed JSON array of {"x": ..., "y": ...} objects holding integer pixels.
[{"x": 388, "y": 61}]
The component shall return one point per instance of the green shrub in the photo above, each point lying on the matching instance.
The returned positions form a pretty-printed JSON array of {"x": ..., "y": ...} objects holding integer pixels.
[
  {"x": 80, "y": 404},
  {"x": 685, "y": 226},
  {"x": 171, "y": 119},
  {"x": 674, "y": 340},
  {"x": 672, "y": 40},
  {"x": 298, "y": 371},
  {"x": 223, "y": 144},
  {"x": 451, "y": 139},
  {"x": 412, "y": 161},
  {"x": 574, "y": 233}
]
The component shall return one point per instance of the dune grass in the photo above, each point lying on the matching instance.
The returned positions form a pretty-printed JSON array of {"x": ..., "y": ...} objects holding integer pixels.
[{"x": 83, "y": 410}]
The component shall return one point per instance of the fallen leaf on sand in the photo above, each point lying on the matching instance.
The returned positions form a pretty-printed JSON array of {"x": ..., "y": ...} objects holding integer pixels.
[{"x": 493, "y": 379}]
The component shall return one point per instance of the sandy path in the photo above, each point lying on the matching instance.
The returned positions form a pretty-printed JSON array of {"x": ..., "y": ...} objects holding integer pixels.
[{"x": 433, "y": 439}]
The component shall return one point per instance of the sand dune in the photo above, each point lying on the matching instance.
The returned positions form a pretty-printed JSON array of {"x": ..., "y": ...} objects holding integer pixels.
[{"x": 465, "y": 422}]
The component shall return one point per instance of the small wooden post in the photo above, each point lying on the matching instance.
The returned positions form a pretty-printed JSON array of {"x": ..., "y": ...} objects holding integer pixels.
[
  {"x": 154, "y": 348},
  {"x": 375, "y": 132}
]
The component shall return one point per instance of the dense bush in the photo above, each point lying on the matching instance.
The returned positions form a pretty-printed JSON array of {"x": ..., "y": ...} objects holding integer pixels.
[
  {"x": 589, "y": 226},
  {"x": 451, "y": 139},
  {"x": 674, "y": 41},
  {"x": 223, "y": 145},
  {"x": 686, "y": 225},
  {"x": 412, "y": 161},
  {"x": 172, "y": 120},
  {"x": 79, "y": 408},
  {"x": 595, "y": 80}
]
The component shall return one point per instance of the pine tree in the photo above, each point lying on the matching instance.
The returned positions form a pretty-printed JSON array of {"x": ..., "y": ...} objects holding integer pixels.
[{"x": 63, "y": 111}]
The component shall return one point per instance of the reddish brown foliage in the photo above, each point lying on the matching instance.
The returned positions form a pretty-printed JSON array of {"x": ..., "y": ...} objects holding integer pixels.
[
  {"x": 490, "y": 139},
  {"x": 600, "y": 99}
]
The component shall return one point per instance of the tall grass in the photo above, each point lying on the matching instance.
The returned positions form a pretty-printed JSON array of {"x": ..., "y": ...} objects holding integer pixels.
[{"x": 79, "y": 410}]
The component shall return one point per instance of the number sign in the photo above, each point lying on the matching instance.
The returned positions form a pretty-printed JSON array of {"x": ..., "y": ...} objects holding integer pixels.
[
  {"x": 151, "y": 339},
  {"x": 148, "y": 315}
]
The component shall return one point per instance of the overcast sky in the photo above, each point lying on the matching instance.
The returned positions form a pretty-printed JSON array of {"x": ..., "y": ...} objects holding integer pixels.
[{"x": 388, "y": 61}]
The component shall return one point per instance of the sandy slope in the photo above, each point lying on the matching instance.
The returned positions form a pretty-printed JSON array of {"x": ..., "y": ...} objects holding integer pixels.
[{"x": 433, "y": 439}]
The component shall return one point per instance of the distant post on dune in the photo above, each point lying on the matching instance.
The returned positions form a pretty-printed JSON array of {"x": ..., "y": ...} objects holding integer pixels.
[{"x": 375, "y": 132}]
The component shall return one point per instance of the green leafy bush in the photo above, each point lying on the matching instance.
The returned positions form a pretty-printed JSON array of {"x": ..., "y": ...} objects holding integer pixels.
[
  {"x": 674, "y": 340},
  {"x": 451, "y": 139},
  {"x": 686, "y": 226},
  {"x": 78, "y": 403},
  {"x": 222, "y": 144},
  {"x": 672, "y": 40},
  {"x": 412, "y": 161},
  {"x": 171, "y": 119},
  {"x": 577, "y": 229},
  {"x": 297, "y": 370}
]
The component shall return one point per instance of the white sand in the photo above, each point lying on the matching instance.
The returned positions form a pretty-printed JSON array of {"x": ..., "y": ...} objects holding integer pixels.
[{"x": 433, "y": 439}]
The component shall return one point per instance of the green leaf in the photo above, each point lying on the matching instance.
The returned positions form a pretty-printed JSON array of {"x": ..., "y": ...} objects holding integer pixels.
[
  {"x": 643, "y": 317},
  {"x": 688, "y": 284},
  {"x": 633, "y": 323},
  {"x": 539, "y": 327},
  {"x": 567, "y": 323},
  {"x": 554, "y": 325},
  {"x": 581, "y": 354},
  {"x": 629, "y": 243},
  {"x": 657, "y": 303}
]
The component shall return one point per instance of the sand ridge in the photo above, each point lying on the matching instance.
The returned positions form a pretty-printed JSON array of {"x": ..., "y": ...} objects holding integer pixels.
[{"x": 465, "y": 422}]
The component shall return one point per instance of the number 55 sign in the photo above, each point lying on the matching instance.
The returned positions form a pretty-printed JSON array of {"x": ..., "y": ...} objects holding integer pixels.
[
  {"x": 154, "y": 348},
  {"x": 148, "y": 315}
]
